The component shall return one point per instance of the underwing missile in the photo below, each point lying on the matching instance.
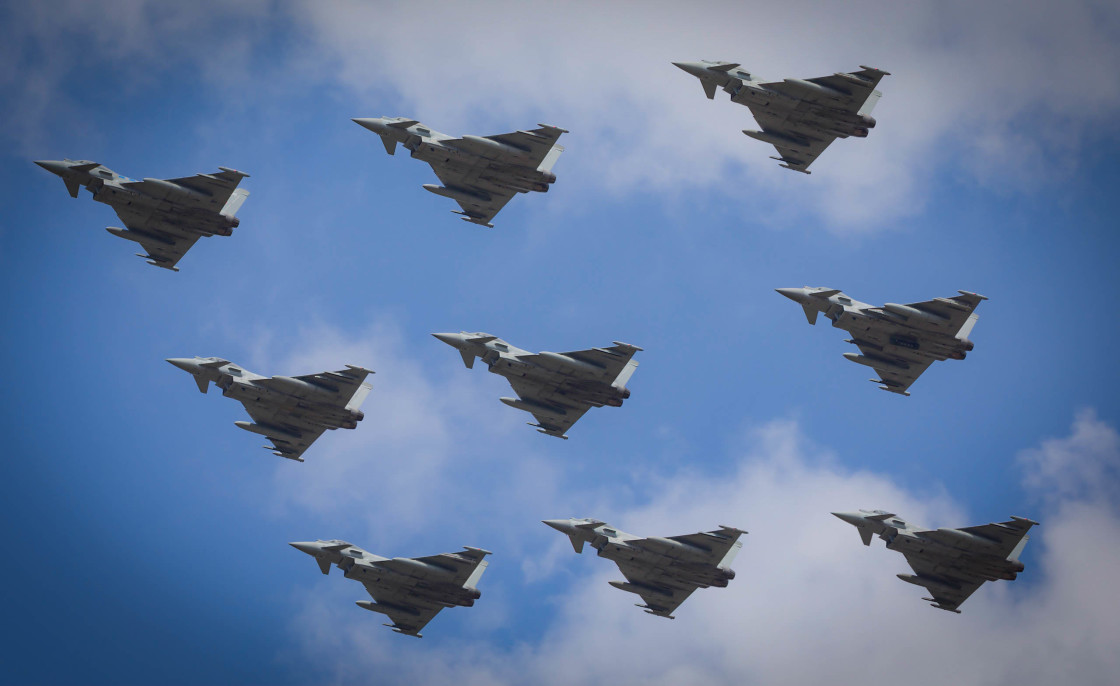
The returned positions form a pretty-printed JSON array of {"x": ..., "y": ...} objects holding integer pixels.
[
  {"x": 455, "y": 194},
  {"x": 263, "y": 431},
  {"x": 529, "y": 406},
  {"x": 772, "y": 138},
  {"x": 875, "y": 362}
]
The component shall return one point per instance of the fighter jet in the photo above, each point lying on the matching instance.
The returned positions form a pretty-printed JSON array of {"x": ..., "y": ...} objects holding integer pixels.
[
  {"x": 897, "y": 341},
  {"x": 480, "y": 173},
  {"x": 950, "y": 563},
  {"x": 663, "y": 571},
  {"x": 557, "y": 388},
  {"x": 165, "y": 217},
  {"x": 799, "y": 117},
  {"x": 411, "y": 591},
  {"x": 290, "y": 411}
]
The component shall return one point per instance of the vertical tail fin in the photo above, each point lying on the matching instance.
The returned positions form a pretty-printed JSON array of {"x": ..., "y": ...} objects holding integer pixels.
[
  {"x": 236, "y": 199},
  {"x": 625, "y": 374},
  {"x": 359, "y": 397},
  {"x": 550, "y": 158},
  {"x": 870, "y": 103},
  {"x": 472, "y": 580}
]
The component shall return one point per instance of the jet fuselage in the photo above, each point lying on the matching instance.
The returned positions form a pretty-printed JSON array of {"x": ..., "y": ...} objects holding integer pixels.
[
  {"x": 421, "y": 579},
  {"x": 325, "y": 414},
  {"x": 968, "y": 556},
  {"x": 834, "y": 121},
  {"x": 751, "y": 91},
  {"x": 664, "y": 556},
  {"x": 880, "y": 330},
  {"x": 245, "y": 386},
  {"x": 483, "y": 161},
  {"x": 509, "y": 361},
  {"x": 167, "y": 202},
  {"x": 885, "y": 329},
  {"x": 596, "y": 393}
]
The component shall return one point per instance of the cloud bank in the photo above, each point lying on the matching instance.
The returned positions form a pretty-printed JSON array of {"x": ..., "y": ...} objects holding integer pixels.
[
  {"x": 810, "y": 604},
  {"x": 963, "y": 75},
  {"x": 1006, "y": 94}
]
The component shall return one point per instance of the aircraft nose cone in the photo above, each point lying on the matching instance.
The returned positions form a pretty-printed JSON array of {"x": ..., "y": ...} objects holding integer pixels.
[
  {"x": 690, "y": 67},
  {"x": 452, "y": 339},
  {"x": 849, "y": 517},
  {"x": 371, "y": 123},
  {"x": 184, "y": 363},
  {"x": 558, "y": 524},
  {"x": 305, "y": 547},
  {"x": 52, "y": 166},
  {"x": 795, "y": 294}
]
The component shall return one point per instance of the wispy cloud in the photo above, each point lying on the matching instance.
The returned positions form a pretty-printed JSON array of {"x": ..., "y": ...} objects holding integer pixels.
[
  {"x": 425, "y": 448},
  {"x": 48, "y": 44},
  {"x": 1083, "y": 467}
]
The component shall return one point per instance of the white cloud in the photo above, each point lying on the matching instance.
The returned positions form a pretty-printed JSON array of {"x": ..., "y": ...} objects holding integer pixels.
[
  {"x": 425, "y": 447},
  {"x": 1002, "y": 93},
  {"x": 810, "y": 604},
  {"x": 402, "y": 443},
  {"x": 1002, "y": 90},
  {"x": 1083, "y": 466}
]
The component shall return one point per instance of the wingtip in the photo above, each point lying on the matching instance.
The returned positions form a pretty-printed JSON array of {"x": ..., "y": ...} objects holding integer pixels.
[{"x": 473, "y": 220}]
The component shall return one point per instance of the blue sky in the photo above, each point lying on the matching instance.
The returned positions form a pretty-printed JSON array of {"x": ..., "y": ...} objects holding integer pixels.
[{"x": 152, "y": 533}]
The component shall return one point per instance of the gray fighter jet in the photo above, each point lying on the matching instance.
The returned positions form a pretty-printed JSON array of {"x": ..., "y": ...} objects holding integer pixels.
[
  {"x": 166, "y": 217},
  {"x": 897, "y": 341},
  {"x": 481, "y": 173},
  {"x": 411, "y": 591},
  {"x": 663, "y": 571},
  {"x": 950, "y": 563},
  {"x": 290, "y": 411},
  {"x": 799, "y": 117},
  {"x": 557, "y": 388}
]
